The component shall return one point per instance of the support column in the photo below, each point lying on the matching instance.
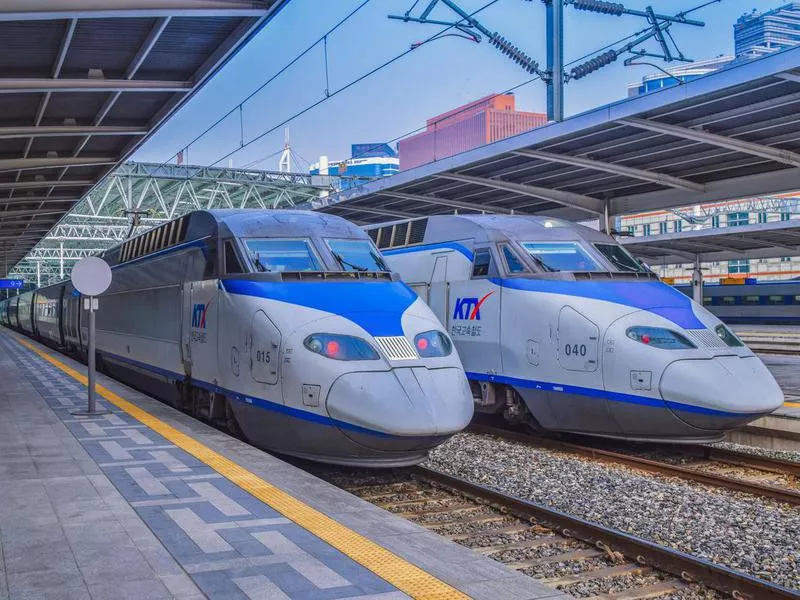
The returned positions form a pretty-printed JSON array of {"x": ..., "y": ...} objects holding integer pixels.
[
  {"x": 697, "y": 282},
  {"x": 38, "y": 273},
  {"x": 555, "y": 59},
  {"x": 61, "y": 260}
]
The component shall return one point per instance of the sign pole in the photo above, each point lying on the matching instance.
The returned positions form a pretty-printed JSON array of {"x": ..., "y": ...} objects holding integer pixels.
[
  {"x": 91, "y": 277},
  {"x": 91, "y": 375}
]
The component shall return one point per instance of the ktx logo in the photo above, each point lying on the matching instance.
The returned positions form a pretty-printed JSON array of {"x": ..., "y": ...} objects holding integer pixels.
[
  {"x": 199, "y": 315},
  {"x": 469, "y": 309}
]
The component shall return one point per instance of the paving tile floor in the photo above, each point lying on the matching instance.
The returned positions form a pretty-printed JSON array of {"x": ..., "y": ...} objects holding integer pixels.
[{"x": 104, "y": 507}]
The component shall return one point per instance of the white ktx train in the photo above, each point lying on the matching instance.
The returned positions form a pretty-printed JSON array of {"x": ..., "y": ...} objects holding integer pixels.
[
  {"x": 558, "y": 325},
  {"x": 285, "y": 325}
]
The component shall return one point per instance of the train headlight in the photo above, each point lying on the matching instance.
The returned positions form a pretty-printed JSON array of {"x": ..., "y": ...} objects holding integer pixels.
[
  {"x": 432, "y": 343},
  {"x": 659, "y": 338},
  {"x": 340, "y": 347},
  {"x": 726, "y": 335}
]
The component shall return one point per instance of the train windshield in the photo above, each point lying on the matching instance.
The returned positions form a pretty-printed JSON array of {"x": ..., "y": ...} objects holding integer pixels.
[
  {"x": 561, "y": 256},
  {"x": 620, "y": 258},
  {"x": 276, "y": 256},
  {"x": 356, "y": 255}
]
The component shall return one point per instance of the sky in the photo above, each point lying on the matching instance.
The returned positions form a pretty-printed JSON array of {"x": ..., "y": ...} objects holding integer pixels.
[{"x": 396, "y": 100}]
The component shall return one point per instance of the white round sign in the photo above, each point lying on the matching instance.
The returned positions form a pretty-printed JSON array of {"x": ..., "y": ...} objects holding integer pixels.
[{"x": 91, "y": 276}]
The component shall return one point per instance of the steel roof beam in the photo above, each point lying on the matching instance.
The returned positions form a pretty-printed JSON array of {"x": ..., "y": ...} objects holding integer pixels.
[
  {"x": 775, "y": 154},
  {"x": 8, "y": 133},
  {"x": 23, "y": 164},
  {"x": 570, "y": 199},
  {"x": 616, "y": 169},
  {"x": 634, "y": 248},
  {"x": 446, "y": 202},
  {"x": 398, "y": 214},
  {"x": 45, "y": 84},
  {"x": 38, "y": 199},
  {"x": 22, "y": 10},
  {"x": 23, "y": 185},
  {"x": 35, "y": 212}
]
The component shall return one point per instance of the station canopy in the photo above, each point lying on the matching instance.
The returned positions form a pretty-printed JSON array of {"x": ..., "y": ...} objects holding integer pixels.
[
  {"x": 728, "y": 135},
  {"x": 83, "y": 83},
  {"x": 764, "y": 240}
]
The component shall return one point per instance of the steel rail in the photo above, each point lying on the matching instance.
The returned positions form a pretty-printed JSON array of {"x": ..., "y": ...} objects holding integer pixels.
[
  {"x": 783, "y": 495},
  {"x": 689, "y": 568}
]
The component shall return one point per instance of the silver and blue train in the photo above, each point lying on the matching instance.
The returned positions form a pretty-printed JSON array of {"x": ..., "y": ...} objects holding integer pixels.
[
  {"x": 558, "y": 325},
  {"x": 754, "y": 303},
  {"x": 285, "y": 326}
]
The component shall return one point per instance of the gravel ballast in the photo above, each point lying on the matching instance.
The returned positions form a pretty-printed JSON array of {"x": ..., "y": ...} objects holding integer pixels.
[{"x": 750, "y": 534}]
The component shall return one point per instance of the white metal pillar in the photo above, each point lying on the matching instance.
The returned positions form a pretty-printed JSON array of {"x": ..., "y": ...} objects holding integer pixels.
[
  {"x": 697, "y": 282},
  {"x": 61, "y": 260},
  {"x": 38, "y": 273}
]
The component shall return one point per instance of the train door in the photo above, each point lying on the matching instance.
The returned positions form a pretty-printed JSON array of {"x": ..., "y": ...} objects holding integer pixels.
[
  {"x": 474, "y": 316},
  {"x": 203, "y": 327},
  {"x": 437, "y": 294},
  {"x": 264, "y": 349},
  {"x": 578, "y": 354}
]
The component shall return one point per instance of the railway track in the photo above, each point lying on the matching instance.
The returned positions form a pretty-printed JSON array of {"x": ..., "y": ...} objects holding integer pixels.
[
  {"x": 574, "y": 556},
  {"x": 771, "y": 342},
  {"x": 761, "y": 476}
]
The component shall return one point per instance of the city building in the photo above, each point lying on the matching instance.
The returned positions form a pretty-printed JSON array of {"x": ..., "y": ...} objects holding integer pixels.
[
  {"x": 366, "y": 162},
  {"x": 481, "y": 122},
  {"x": 734, "y": 213},
  {"x": 755, "y": 34},
  {"x": 685, "y": 72}
]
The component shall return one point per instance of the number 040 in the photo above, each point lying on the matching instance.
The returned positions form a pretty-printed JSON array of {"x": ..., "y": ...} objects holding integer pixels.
[{"x": 575, "y": 350}]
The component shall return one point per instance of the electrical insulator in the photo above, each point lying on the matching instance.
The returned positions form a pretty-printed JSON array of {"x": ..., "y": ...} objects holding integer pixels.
[
  {"x": 593, "y": 64},
  {"x": 514, "y": 53},
  {"x": 607, "y": 8}
]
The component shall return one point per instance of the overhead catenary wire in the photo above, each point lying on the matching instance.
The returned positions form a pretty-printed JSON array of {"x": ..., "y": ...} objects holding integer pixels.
[
  {"x": 281, "y": 71},
  {"x": 345, "y": 87}
]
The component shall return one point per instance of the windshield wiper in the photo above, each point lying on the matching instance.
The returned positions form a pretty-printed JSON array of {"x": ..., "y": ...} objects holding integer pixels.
[
  {"x": 342, "y": 262},
  {"x": 378, "y": 261},
  {"x": 541, "y": 264}
]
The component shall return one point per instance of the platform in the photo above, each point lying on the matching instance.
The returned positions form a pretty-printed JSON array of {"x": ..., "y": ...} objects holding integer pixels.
[{"x": 148, "y": 503}]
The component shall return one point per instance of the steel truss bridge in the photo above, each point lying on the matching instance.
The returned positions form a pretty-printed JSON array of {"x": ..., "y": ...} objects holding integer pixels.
[{"x": 138, "y": 196}]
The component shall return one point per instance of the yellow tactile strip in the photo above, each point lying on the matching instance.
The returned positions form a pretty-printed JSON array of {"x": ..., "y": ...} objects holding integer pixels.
[{"x": 405, "y": 576}]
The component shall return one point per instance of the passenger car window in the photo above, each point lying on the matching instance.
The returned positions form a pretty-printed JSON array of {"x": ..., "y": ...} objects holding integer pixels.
[
  {"x": 356, "y": 255},
  {"x": 751, "y": 300},
  {"x": 276, "y": 256},
  {"x": 561, "y": 256},
  {"x": 481, "y": 263},
  {"x": 513, "y": 263},
  {"x": 730, "y": 300},
  {"x": 232, "y": 264}
]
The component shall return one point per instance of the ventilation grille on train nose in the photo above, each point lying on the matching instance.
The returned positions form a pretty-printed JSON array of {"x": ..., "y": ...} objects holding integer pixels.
[
  {"x": 704, "y": 338},
  {"x": 397, "y": 348}
]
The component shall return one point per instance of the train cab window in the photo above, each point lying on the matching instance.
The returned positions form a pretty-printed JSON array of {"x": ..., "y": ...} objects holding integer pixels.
[
  {"x": 561, "y": 256},
  {"x": 728, "y": 300},
  {"x": 751, "y": 300},
  {"x": 481, "y": 263},
  {"x": 356, "y": 255},
  {"x": 276, "y": 256},
  {"x": 620, "y": 258},
  {"x": 513, "y": 263},
  {"x": 232, "y": 263}
]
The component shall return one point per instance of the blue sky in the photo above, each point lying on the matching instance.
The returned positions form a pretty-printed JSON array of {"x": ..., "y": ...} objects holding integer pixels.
[{"x": 430, "y": 80}]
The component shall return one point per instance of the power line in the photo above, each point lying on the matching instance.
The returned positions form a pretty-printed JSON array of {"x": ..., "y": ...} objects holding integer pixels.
[
  {"x": 345, "y": 87},
  {"x": 271, "y": 79}
]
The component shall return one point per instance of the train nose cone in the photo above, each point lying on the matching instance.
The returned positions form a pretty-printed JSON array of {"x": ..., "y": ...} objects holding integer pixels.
[
  {"x": 721, "y": 393},
  {"x": 420, "y": 407}
]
